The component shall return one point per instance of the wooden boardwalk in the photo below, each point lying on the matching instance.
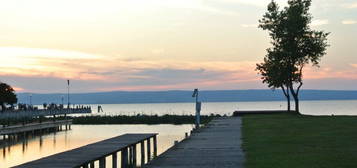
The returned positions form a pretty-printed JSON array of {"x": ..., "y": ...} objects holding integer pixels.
[
  {"x": 43, "y": 112},
  {"x": 86, "y": 155},
  {"x": 217, "y": 145},
  {"x": 15, "y": 129}
]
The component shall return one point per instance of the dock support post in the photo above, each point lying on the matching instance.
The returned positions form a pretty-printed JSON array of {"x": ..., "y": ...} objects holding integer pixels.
[
  {"x": 85, "y": 166},
  {"x": 102, "y": 162},
  {"x": 148, "y": 150},
  {"x": 124, "y": 158},
  {"x": 130, "y": 155},
  {"x": 134, "y": 155},
  {"x": 155, "y": 146},
  {"x": 142, "y": 146},
  {"x": 115, "y": 160},
  {"x": 91, "y": 164}
]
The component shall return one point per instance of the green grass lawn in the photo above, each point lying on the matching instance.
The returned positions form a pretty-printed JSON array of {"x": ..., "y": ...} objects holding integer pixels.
[{"x": 289, "y": 141}]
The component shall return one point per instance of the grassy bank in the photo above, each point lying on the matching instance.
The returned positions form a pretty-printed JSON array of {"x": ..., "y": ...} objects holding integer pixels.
[{"x": 295, "y": 141}]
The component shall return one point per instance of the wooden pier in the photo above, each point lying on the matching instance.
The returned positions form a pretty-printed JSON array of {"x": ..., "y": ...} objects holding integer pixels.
[
  {"x": 86, "y": 156},
  {"x": 216, "y": 145},
  {"x": 43, "y": 112},
  {"x": 23, "y": 128}
]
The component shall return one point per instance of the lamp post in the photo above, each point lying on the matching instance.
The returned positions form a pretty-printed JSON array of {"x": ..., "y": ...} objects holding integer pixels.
[
  {"x": 68, "y": 94},
  {"x": 198, "y": 108},
  {"x": 30, "y": 99}
]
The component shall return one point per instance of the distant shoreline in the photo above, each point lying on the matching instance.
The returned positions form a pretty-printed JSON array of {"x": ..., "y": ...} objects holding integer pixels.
[{"x": 185, "y": 96}]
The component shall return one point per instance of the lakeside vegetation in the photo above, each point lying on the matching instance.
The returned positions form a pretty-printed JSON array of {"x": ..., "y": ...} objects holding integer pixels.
[
  {"x": 141, "y": 119},
  {"x": 295, "y": 141},
  {"x": 118, "y": 119}
]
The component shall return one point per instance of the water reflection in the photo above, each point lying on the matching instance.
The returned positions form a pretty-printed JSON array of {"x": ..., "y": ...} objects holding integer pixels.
[
  {"x": 22, "y": 141},
  {"x": 21, "y": 149}
]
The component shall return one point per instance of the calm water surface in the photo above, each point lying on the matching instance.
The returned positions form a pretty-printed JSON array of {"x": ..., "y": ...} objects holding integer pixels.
[{"x": 80, "y": 135}]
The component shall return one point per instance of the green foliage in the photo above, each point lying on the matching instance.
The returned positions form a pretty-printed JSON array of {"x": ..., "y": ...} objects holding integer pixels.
[
  {"x": 295, "y": 141},
  {"x": 294, "y": 44},
  {"x": 7, "y": 95}
]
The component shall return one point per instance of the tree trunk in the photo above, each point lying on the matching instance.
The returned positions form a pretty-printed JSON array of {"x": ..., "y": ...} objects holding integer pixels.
[
  {"x": 287, "y": 95},
  {"x": 296, "y": 98},
  {"x": 288, "y": 99},
  {"x": 297, "y": 104}
]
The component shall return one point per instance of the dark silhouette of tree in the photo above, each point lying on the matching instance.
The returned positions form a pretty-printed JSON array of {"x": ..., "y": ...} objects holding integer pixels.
[
  {"x": 7, "y": 95},
  {"x": 294, "y": 45}
]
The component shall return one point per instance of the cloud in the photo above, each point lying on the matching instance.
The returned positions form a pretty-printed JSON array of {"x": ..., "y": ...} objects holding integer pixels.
[
  {"x": 256, "y": 3},
  {"x": 249, "y": 25},
  {"x": 158, "y": 51},
  {"x": 101, "y": 72},
  {"x": 350, "y": 5},
  {"x": 30, "y": 73},
  {"x": 319, "y": 22},
  {"x": 326, "y": 72},
  {"x": 349, "y": 22},
  {"x": 199, "y": 5}
]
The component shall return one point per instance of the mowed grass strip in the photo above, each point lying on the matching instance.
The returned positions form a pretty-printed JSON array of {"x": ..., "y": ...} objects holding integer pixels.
[{"x": 297, "y": 141}]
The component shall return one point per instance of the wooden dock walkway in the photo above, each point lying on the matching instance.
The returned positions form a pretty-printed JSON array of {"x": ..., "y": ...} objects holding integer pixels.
[
  {"x": 217, "y": 145},
  {"x": 43, "y": 112},
  {"x": 86, "y": 156},
  {"x": 16, "y": 129}
]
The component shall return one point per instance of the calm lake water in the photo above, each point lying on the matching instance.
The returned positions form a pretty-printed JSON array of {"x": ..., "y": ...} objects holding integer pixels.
[
  {"x": 52, "y": 143},
  {"x": 37, "y": 147}
]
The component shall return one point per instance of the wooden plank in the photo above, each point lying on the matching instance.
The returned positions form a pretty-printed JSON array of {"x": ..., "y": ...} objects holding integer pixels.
[
  {"x": 216, "y": 145},
  {"x": 86, "y": 154}
]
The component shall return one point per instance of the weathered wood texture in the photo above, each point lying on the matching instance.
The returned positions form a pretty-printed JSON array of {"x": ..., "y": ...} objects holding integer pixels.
[
  {"x": 217, "y": 145},
  {"x": 33, "y": 126},
  {"x": 87, "y": 154}
]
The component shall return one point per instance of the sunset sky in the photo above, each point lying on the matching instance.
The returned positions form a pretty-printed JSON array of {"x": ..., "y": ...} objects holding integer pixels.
[{"x": 105, "y": 45}]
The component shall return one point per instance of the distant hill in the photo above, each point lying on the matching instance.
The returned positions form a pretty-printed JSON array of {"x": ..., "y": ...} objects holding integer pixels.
[{"x": 123, "y": 97}]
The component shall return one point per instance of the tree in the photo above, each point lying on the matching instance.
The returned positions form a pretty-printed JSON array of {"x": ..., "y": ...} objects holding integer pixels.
[
  {"x": 7, "y": 95},
  {"x": 294, "y": 45},
  {"x": 273, "y": 74}
]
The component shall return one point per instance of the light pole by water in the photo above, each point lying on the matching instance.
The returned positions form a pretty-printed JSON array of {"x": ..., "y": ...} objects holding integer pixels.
[
  {"x": 30, "y": 99},
  {"x": 68, "y": 94},
  {"x": 198, "y": 109}
]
